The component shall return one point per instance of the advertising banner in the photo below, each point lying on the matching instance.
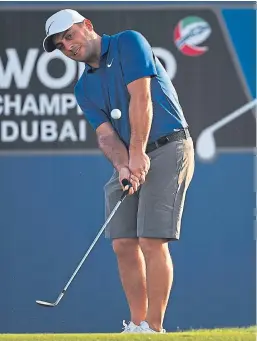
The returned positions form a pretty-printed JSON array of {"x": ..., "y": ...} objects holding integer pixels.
[{"x": 38, "y": 110}]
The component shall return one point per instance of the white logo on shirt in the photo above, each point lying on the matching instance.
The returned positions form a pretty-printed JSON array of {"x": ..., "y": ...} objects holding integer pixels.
[{"x": 109, "y": 65}]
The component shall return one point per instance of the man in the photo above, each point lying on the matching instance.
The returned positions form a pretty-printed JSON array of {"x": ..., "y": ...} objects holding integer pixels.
[{"x": 149, "y": 145}]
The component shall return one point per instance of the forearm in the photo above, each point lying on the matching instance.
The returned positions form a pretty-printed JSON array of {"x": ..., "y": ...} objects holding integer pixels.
[
  {"x": 114, "y": 149},
  {"x": 140, "y": 116}
]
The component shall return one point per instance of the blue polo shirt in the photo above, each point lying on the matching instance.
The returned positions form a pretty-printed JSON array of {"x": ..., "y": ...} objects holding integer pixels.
[{"x": 125, "y": 57}]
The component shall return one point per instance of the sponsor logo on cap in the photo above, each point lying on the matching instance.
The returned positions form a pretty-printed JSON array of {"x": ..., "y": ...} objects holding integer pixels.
[{"x": 49, "y": 27}]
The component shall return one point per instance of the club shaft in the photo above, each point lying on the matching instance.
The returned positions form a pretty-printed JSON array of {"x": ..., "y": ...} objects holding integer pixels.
[
  {"x": 125, "y": 183},
  {"x": 59, "y": 297},
  {"x": 90, "y": 248},
  {"x": 233, "y": 115}
]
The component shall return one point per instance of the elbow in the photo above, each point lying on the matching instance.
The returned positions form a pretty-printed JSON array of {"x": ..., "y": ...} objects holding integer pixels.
[{"x": 103, "y": 139}]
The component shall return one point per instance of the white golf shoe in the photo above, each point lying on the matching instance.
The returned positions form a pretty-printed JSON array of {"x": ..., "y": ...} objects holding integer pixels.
[
  {"x": 144, "y": 326},
  {"x": 130, "y": 328}
]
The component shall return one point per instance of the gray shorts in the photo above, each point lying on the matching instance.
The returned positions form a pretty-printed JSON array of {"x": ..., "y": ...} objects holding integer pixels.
[{"x": 155, "y": 210}]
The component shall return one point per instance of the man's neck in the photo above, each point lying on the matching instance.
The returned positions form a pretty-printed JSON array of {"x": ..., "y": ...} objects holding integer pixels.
[{"x": 95, "y": 62}]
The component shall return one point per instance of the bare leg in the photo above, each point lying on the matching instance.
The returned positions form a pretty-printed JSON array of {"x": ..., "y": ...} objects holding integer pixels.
[
  {"x": 159, "y": 276},
  {"x": 131, "y": 265}
]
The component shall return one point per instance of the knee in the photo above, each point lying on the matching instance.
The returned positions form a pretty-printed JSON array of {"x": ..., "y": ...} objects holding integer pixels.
[
  {"x": 150, "y": 246},
  {"x": 125, "y": 246}
]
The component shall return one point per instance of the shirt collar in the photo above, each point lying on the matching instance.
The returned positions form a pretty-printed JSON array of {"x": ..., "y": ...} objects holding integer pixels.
[{"x": 105, "y": 42}]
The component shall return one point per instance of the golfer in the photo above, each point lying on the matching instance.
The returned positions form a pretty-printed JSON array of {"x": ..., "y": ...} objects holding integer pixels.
[{"x": 147, "y": 142}]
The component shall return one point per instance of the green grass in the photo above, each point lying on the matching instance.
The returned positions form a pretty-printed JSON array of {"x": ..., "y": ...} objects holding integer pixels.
[{"x": 234, "y": 334}]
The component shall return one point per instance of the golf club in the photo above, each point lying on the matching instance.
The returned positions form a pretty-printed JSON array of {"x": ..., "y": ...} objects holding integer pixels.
[{"x": 125, "y": 183}]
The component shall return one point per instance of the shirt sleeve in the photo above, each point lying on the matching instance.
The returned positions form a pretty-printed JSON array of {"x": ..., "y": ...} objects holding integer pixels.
[
  {"x": 93, "y": 114},
  {"x": 136, "y": 56}
]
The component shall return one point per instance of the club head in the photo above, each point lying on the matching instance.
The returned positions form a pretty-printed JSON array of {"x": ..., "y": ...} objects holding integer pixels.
[
  {"x": 206, "y": 145},
  {"x": 46, "y": 304}
]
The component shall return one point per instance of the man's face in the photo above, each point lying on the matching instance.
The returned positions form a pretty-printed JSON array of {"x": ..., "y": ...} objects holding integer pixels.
[{"x": 77, "y": 42}]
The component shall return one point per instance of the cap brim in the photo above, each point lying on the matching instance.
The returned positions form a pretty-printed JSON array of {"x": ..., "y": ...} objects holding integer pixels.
[{"x": 48, "y": 44}]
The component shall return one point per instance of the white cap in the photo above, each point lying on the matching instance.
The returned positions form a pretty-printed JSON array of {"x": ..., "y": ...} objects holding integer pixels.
[{"x": 59, "y": 22}]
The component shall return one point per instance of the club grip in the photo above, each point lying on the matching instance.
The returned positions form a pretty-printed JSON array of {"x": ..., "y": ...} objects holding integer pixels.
[{"x": 125, "y": 183}]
